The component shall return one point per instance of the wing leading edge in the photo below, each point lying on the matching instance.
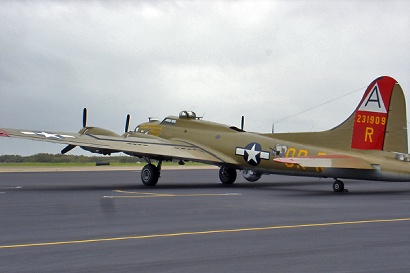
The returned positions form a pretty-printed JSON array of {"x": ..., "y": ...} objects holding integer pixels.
[{"x": 152, "y": 147}]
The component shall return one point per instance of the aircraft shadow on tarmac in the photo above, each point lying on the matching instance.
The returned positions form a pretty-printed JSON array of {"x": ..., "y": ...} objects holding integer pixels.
[{"x": 306, "y": 187}]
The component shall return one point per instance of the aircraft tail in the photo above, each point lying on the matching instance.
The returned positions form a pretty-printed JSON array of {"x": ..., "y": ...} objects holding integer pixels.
[{"x": 378, "y": 123}]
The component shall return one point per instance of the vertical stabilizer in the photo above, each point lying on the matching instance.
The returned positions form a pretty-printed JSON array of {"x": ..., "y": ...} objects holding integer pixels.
[
  {"x": 380, "y": 118},
  {"x": 378, "y": 123}
]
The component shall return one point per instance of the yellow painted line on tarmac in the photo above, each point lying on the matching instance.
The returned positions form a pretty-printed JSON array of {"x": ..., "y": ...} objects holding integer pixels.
[{"x": 207, "y": 232}]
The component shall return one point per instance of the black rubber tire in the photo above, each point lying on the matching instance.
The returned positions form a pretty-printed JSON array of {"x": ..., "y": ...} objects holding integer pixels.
[
  {"x": 338, "y": 186},
  {"x": 227, "y": 175},
  {"x": 149, "y": 175}
]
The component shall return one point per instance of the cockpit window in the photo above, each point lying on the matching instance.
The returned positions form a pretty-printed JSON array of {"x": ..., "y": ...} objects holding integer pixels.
[{"x": 169, "y": 121}]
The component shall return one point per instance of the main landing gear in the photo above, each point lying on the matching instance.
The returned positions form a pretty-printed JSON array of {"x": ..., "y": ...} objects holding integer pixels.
[
  {"x": 227, "y": 175},
  {"x": 150, "y": 174},
  {"x": 338, "y": 186}
]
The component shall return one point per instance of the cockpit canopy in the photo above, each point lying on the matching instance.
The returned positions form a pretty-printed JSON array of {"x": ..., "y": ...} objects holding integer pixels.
[{"x": 188, "y": 115}]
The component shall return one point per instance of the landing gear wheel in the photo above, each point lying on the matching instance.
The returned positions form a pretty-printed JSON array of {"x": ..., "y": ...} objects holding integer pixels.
[
  {"x": 149, "y": 175},
  {"x": 338, "y": 186},
  {"x": 227, "y": 175}
]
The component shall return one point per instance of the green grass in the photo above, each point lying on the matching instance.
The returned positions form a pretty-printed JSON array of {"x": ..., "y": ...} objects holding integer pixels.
[
  {"x": 30, "y": 164},
  {"x": 89, "y": 164}
]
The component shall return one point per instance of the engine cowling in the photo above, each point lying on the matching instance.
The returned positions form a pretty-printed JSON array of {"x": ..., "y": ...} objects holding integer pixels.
[
  {"x": 101, "y": 132},
  {"x": 251, "y": 176}
]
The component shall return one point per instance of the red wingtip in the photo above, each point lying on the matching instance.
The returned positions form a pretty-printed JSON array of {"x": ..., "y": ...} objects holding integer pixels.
[{"x": 3, "y": 133}]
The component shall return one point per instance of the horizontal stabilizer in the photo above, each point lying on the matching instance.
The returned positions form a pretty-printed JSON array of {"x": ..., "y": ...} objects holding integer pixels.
[{"x": 327, "y": 161}]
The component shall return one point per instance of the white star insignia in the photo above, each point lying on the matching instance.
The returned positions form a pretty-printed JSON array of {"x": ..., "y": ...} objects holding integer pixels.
[
  {"x": 48, "y": 135},
  {"x": 252, "y": 154}
]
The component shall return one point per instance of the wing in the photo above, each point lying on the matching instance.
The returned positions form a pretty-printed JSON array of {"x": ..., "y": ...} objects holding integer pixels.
[
  {"x": 327, "y": 161},
  {"x": 148, "y": 146}
]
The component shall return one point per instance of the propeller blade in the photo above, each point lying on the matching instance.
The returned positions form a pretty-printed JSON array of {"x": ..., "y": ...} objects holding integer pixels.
[
  {"x": 84, "y": 117},
  {"x": 242, "y": 122},
  {"x": 127, "y": 123},
  {"x": 67, "y": 149}
]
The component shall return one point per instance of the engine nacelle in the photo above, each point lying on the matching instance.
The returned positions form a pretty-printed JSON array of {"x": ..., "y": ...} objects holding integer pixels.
[
  {"x": 97, "y": 131},
  {"x": 251, "y": 176},
  {"x": 101, "y": 132},
  {"x": 99, "y": 150}
]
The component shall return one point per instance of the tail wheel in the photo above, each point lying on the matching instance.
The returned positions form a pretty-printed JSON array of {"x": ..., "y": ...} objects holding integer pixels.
[
  {"x": 149, "y": 175},
  {"x": 338, "y": 186},
  {"x": 227, "y": 175}
]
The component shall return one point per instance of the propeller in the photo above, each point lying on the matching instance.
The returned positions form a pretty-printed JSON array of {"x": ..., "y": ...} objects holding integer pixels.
[
  {"x": 67, "y": 149},
  {"x": 70, "y": 146},
  {"x": 127, "y": 123},
  {"x": 84, "y": 117}
]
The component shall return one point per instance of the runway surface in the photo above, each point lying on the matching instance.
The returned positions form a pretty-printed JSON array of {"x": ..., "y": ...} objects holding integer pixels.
[{"x": 109, "y": 222}]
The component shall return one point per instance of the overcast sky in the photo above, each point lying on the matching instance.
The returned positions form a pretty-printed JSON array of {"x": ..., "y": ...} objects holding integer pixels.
[{"x": 222, "y": 59}]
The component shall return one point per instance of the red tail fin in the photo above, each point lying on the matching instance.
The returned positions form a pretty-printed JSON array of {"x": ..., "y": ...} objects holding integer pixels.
[{"x": 371, "y": 115}]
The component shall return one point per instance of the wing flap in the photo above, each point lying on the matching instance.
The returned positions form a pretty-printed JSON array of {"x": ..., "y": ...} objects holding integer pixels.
[{"x": 327, "y": 161}]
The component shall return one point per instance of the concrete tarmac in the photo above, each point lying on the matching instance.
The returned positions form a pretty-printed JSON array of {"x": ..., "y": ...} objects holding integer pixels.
[{"x": 109, "y": 222}]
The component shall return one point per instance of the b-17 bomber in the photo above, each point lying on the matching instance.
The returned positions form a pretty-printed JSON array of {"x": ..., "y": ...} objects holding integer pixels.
[{"x": 371, "y": 144}]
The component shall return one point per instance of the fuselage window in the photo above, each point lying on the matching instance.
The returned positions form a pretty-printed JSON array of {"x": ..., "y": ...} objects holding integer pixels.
[
  {"x": 279, "y": 150},
  {"x": 139, "y": 130}
]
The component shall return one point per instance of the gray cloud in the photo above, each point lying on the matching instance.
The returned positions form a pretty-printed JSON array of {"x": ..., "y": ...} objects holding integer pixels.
[{"x": 265, "y": 60}]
